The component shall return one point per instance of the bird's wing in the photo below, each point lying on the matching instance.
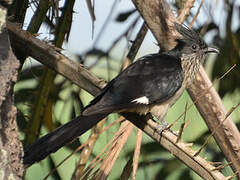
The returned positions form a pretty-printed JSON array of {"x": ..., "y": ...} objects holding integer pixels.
[{"x": 152, "y": 79}]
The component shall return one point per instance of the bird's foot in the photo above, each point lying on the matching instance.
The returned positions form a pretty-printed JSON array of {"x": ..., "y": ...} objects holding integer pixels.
[
  {"x": 163, "y": 126},
  {"x": 160, "y": 127}
]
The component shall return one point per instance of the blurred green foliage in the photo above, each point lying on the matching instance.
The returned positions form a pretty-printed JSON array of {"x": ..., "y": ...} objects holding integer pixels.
[{"x": 229, "y": 46}]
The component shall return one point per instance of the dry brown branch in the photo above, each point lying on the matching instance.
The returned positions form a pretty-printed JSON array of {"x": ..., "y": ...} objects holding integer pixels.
[
  {"x": 199, "y": 97},
  {"x": 87, "y": 150},
  {"x": 212, "y": 110},
  {"x": 121, "y": 136},
  {"x": 164, "y": 30},
  {"x": 181, "y": 150},
  {"x": 197, "y": 13},
  {"x": 84, "y": 144},
  {"x": 183, "y": 124},
  {"x": 52, "y": 58},
  {"x": 216, "y": 128},
  {"x": 148, "y": 127},
  {"x": 185, "y": 10},
  {"x": 100, "y": 157},
  {"x": 135, "y": 46},
  {"x": 137, "y": 153}
]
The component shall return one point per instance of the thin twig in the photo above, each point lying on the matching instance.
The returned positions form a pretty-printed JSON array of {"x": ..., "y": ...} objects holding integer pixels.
[
  {"x": 87, "y": 150},
  {"x": 216, "y": 129},
  {"x": 137, "y": 154},
  {"x": 111, "y": 157},
  {"x": 135, "y": 46},
  {"x": 83, "y": 145},
  {"x": 185, "y": 10},
  {"x": 201, "y": 95},
  {"x": 196, "y": 15},
  {"x": 183, "y": 124}
]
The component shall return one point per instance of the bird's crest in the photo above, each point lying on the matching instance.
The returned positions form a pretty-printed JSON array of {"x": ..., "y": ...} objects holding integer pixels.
[{"x": 189, "y": 36}]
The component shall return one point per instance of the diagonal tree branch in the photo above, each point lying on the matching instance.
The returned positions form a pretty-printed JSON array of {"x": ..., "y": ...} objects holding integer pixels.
[
  {"x": 182, "y": 151},
  {"x": 185, "y": 10},
  {"x": 51, "y": 57},
  {"x": 159, "y": 20},
  {"x": 213, "y": 112}
]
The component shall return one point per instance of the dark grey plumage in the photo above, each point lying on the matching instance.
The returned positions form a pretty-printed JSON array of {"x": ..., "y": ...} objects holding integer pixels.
[
  {"x": 151, "y": 84},
  {"x": 140, "y": 80}
]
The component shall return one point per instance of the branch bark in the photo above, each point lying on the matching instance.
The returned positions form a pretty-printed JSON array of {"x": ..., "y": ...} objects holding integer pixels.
[
  {"x": 51, "y": 57},
  {"x": 213, "y": 112}
]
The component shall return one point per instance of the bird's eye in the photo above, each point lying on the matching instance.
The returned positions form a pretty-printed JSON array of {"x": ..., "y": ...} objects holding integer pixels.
[{"x": 194, "y": 46}]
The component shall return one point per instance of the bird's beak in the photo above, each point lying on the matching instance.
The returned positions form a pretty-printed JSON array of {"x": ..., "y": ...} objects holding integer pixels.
[{"x": 212, "y": 50}]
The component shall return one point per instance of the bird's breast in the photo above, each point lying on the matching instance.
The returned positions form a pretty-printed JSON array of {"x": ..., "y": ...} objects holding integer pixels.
[{"x": 190, "y": 66}]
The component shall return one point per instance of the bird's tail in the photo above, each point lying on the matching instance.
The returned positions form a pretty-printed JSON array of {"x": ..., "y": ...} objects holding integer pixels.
[{"x": 59, "y": 137}]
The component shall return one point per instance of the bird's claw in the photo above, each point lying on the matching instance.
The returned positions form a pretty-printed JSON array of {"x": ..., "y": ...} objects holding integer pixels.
[{"x": 162, "y": 127}]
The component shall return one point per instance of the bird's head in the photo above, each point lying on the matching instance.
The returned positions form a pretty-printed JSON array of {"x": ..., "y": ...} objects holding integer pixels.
[
  {"x": 192, "y": 50},
  {"x": 191, "y": 46}
]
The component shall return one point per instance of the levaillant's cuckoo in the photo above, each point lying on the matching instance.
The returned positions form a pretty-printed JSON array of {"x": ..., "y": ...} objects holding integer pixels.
[{"x": 151, "y": 84}]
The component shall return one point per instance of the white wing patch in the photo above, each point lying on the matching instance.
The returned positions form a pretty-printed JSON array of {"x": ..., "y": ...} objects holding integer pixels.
[{"x": 141, "y": 100}]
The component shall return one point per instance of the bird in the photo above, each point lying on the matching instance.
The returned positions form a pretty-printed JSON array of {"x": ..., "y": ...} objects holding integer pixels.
[{"x": 152, "y": 84}]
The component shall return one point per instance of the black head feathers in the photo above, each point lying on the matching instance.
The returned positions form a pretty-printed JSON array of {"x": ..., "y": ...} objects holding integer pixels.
[{"x": 189, "y": 36}]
